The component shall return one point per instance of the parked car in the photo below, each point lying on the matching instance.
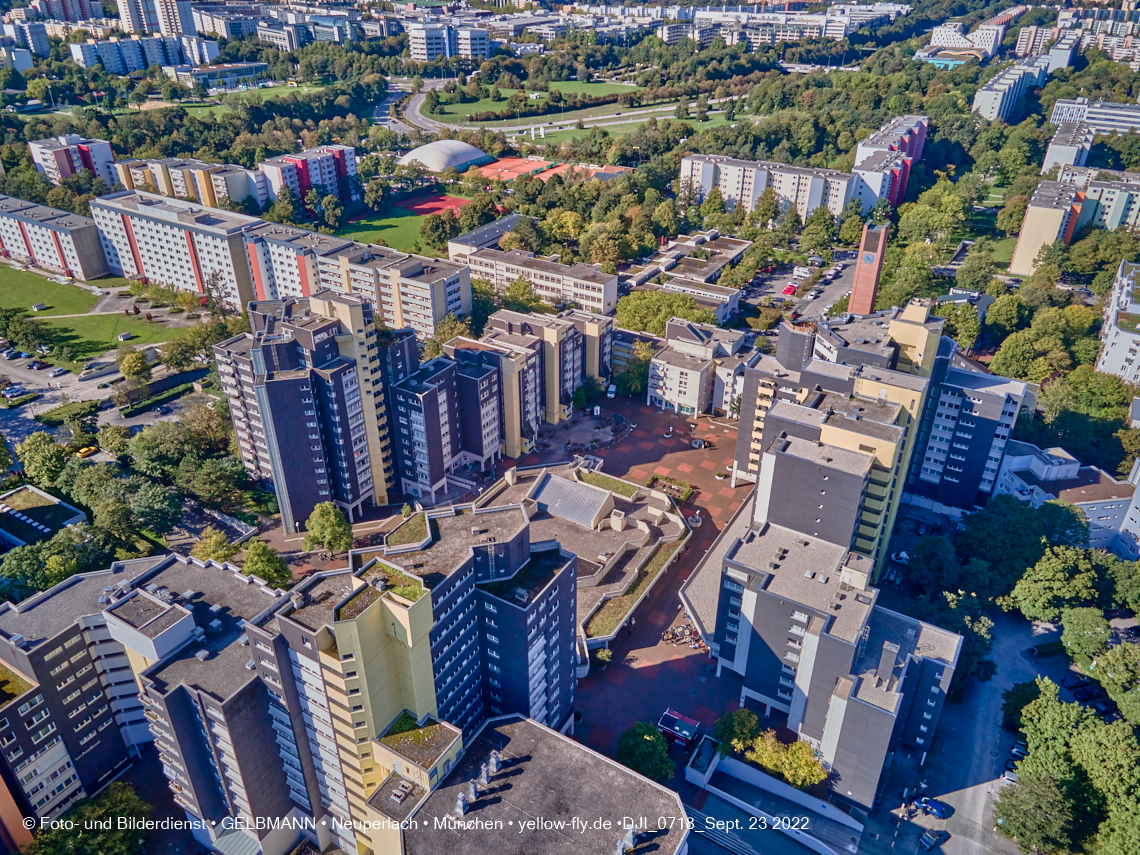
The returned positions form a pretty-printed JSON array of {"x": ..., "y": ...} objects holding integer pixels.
[
  {"x": 1017, "y": 751},
  {"x": 678, "y": 729},
  {"x": 1075, "y": 682},
  {"x": 1104, "y": 707},
  {"x": 1132, "y": 632},
  {"x": 935, "y": 808},
  {"x": 57, "y": 372},
  {"x": 13, "y": 392},
  {"x": 86, "y": 452},
  {"x": 1009, "y": 777},
  {"x": 1089, "y": 693},
  {"x": 11, "y": 354},
  {"x": 1011, "y": 765},
  {"x": 37, "y": 364},
  {"x": 931, "y": 838}
]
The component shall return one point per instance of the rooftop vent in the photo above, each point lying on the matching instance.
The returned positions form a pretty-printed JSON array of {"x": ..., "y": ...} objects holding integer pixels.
[
  {"x": 809, "y": 574},
  {"x": 249, "y": 666},
  {"x": 16, "y": 639},
  {"x": 215, "y": 626},
  {"x": 202, "y": 655},
  {"x": 199, "y": 633},
  {"x": 215, "y": 608},
  {"x": 823, "y": 579},
  {"x": 108, "y": 589},
  {"x": 102, "y": 599},
  {"x": 151, "y": 588},
  {"x": 521, "y": 595},
  {"x": 244, "y": 641}
]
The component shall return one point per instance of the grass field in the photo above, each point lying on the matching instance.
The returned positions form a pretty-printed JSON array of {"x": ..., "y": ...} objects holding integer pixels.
[
  {"x": 1003, "y": 251},
  {"x": 94, "y": 335},
  {"x": 714, "y": 121},
  {"x": 267, "y": 92},
  {"x": 396, "y": 227},
  {"x": 460, "y": 112},
  {"x": 21, "y": 290}
]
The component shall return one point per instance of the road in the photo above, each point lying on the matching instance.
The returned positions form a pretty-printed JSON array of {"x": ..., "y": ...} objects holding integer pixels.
[{"x": 382, "y": 116}]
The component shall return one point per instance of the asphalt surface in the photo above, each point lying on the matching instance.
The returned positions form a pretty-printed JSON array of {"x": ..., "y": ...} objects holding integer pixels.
[{"x": 772, "y": 285}]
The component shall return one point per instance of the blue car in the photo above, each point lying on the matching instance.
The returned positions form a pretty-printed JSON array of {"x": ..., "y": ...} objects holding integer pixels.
[{"x": 935, "y": 808}]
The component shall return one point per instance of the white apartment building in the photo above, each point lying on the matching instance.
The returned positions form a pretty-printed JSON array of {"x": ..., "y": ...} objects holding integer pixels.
[
  {"x": 1120, "y": 334},
  {"x": 996, "y": 99},
  {"x": 180, "y": 244},
  {"x": 742, "y": 182},
  {"x": 428, "y": 40},
  {"x": 64, "y": 156},
  {"x": 331, "y": 167},
  {"x": 555, "y": 284},
  {"x": 1031, "y": 41},
  {"x": 473, "y": 43},
  {"x": 52, "y": 240}
]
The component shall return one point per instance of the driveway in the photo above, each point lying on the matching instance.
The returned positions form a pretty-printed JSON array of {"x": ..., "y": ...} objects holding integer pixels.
[{"x": 969, "y": 752}]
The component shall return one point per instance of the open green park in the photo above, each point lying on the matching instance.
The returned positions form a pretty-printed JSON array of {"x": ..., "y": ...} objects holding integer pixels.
[
  {"x": 86, "y": 335},
  {"x": 456, "y": 113}
]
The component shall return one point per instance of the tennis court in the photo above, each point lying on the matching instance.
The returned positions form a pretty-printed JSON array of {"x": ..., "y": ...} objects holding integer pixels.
[{"x": 433, "y": 204}]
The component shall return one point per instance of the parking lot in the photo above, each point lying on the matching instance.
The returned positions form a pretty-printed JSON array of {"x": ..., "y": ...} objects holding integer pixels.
[{"x": 772, "y": 284}]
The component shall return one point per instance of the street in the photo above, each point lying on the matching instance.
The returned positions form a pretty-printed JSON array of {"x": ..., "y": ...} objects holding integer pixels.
[{"x": 772, "y": 284}]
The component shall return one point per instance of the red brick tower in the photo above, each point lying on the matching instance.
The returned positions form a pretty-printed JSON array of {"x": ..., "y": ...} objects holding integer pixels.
[{"x": 868, "y": 266}]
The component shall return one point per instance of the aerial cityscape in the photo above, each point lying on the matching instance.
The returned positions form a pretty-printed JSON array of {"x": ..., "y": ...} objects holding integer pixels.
[{"x": 526, "y": 428}]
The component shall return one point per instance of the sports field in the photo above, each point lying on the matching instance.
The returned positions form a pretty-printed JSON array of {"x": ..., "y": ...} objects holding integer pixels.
[{"x": 398, "y": 225}]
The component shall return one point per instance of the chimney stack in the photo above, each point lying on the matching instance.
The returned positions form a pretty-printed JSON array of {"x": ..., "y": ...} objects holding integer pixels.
[
  {"x": 887, "y": 661},
  {"x": 461, "y": 805},
  {"x": 483, "y": 779},
  {"x": 472, "y": 792},
  {"x": 495, "y": 765}
]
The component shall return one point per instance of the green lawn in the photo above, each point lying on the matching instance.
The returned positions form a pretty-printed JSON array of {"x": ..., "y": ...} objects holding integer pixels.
[
  {"x": 94, "y": 335},
  {"x": 21, "y": 290},
  {"x": 268, "y": 92},
  {"x": 625, "y": 130},
  {"x": 460, "y": 112},
  {"x": 394, "y": 226},
  {"x": 1003, "y": 251}
]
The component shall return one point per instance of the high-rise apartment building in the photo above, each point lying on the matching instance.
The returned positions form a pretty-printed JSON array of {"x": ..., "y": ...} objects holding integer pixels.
[
  {"x": 562, "y": 352},
  {"x": 1120, "y": 339},
  {"x": 425, "y": 417},
  {"x": 327, "y": 169},
  {"x": 785, "y": 603},
  {"x": 63, "y": 157},
  {"x": 307, "y": 390},
  {"x": 210, "y": 184},
  {"x": 169, "y": 17},
  {"x": 53, "y": 240},
  {"x": 178, "y": 243}
]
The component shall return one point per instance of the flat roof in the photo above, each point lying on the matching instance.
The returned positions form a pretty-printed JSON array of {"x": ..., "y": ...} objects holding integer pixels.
[
  {"x": 1090, "y": 485},
  {"x": 491, "y": 232},
  {"x": 543, "y": 775},
  {"x": 46, "y": 614},
  {"x": 808, "y": 574},
  {"x": 855, "y": 462},
  {"x": 672, "y": 356},
  {"x": 573, "y": 501},
  {"x": 423, "y": 744},
  {"x": 913, "y": 637},
  {"x": 584, "y": 272},
  {"x": 240, "y": 601}
]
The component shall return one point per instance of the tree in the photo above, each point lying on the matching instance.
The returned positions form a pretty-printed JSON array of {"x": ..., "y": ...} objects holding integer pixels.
[
  {"x": 1064, "y": 578},
  {"x": 478, "y": 212},
  {"x": 1007, "y": 314},
  {"x": 713, "y": 203},
  {"x": 41, "y": 457},
  {"x": 262, "y": 561},
  {"x": 1010, "y": 217},
  {"x": 1015, "y": 699},
  {"x": 643, "y": 749},
  {"x": 962, "y": 322},
  {"x": 736, "y": 730},
  {"x": 327, "y": 527},
  {"x": 156, "y": 507},
  {"x": 1119, "y": 673},
  {"x": 650, "y": 311},
  {"x": 976, "y": 271},
  {"x": 962, "y": 613},
  {"x": 134, "y": 367},
  {"x": 333, "y": 211},
  {"x": 1086, "y": 632},
  {"x": 580, "y": 397},
  {"x": 438, "y": 229},
  {"x": 118, "y": 800},
  {"x": 447, "y": 329},
  {"x": 1016, "y": 356},
  {"x": 177, "y": 354},
  {"x": 213, "y": 481},
  {"x": 1036, "y": 812},
  {"x": 214, "y": 545},
  {"x": 519, "y": 296},
  {"x": 6, "y": 458},
  {"x": 796, "y": 763},
  {"x": 633, "y": 379},
  {"x": 767, "y": 208},
  {"x": 376, "y": 193}
]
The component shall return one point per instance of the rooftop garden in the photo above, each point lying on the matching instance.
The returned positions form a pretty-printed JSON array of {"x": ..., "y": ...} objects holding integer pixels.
[
  {"x": 609, "y": 617},
  {"x": 597, "y": 479},
  {"x": 1128, "y": 321},
  {"x": 12, "y": 685},
  {"x": 423, "y": 745},
  {"x": 532, "y": 577},
  {"x": 43, "y": 509},
  {"x": 412, "y": 530}
]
